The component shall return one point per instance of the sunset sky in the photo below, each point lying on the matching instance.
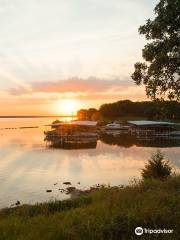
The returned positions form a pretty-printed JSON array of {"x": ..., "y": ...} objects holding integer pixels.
[{"x": 60, "y": 55}]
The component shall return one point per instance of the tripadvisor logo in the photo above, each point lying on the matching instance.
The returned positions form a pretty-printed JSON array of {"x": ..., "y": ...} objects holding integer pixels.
[{"x": 139, "y": 231}]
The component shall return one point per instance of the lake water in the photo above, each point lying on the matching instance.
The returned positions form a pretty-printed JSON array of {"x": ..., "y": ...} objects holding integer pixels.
[{"x": 28, "y": 166}]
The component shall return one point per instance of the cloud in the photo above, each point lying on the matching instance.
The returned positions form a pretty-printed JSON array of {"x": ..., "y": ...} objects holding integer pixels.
[
  {"x": 19, "y": 91},
  {"x": 90, "y": 85}
]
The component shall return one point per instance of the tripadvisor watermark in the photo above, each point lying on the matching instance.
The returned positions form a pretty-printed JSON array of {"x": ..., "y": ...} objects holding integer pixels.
[{"x": 139, "y": 231}]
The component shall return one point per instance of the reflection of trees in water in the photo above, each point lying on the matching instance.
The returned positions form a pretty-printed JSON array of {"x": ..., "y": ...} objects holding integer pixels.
[
  {"x": 122, "y": 140},
  {"x": 161, "y": 142},
  {"x": 73, "y": 145},
  {"x": 125, "y": 140}
]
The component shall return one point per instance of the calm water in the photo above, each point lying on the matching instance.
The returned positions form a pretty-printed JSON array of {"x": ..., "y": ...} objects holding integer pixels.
[{"x": 28, "y": 167}]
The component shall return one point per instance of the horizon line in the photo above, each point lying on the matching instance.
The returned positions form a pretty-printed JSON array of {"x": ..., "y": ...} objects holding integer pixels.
[{"x": 36, "y": 116}]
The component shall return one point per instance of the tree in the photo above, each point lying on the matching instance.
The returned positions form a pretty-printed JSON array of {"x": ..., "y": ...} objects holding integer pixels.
[
  {"x": 161, "y": 72},
  {"x": 90, "y": 113},
  {"x": 97, "y": 116},
  {"x": 157, "y": 167},
  {"x": 82, "y": 114},
  {"x": 86, "y": 114}
]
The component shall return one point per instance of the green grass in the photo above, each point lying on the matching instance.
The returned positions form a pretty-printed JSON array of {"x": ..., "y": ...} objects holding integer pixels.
[{"x": 110, "y": 213}]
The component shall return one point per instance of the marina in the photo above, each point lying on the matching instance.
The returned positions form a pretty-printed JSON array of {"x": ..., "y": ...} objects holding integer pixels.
[{"x": 84, "y": 134}]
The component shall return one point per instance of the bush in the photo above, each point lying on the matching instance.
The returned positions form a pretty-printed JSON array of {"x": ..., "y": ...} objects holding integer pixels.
[{"x": 157, "y": 167}]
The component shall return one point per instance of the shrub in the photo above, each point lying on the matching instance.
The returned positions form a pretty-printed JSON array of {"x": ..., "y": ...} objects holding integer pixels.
[{"x": 157, "y": 167}]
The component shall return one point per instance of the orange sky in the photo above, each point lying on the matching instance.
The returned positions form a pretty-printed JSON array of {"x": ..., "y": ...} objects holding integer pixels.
[
  {"x": 64, "y": 104},
  {"x": 58, "y": 57}
]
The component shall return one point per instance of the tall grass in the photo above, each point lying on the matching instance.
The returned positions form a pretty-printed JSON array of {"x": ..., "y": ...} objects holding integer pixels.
[{"x": 110, "y": 213}]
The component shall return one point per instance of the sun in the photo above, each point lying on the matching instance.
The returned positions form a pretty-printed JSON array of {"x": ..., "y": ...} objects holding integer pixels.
[{"x": 68, "y": 107}]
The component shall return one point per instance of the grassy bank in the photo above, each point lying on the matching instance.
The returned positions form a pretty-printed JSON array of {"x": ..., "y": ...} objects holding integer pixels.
[{"x": 110, "y": 213}]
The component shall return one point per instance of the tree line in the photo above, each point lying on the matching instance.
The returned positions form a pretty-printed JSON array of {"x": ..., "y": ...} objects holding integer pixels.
[{"x": 126, "y": 109}]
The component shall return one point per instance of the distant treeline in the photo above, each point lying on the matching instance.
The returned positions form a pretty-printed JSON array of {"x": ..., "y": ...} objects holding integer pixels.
[{"x": 126, "y": 109}]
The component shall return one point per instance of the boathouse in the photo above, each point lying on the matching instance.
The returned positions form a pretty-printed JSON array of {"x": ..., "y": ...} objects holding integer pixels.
[
  {"x": 72, "y": 129},
  {"x": 156, "y": 128},
  {"x": 74, "y": 134}
]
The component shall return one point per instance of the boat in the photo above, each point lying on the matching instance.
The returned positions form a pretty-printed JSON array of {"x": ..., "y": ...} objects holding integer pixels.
[
  {"x": 114, "y": 126},
  {"x": 115, "y": 129},
  {"x": 175, "y": 133}
]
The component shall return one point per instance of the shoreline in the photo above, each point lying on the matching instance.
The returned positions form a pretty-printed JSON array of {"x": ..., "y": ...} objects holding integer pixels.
[{"x": 109, "y": 213}]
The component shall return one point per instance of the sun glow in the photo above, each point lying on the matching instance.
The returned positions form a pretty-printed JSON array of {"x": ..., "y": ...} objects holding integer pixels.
[{"x": 68, "y": 107}]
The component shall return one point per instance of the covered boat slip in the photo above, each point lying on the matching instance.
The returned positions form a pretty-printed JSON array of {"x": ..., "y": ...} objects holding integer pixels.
[
  {"x": 74, "y": 134},
  {"x": 73, "y": 129},
  {"x": 156, "y": 128}
]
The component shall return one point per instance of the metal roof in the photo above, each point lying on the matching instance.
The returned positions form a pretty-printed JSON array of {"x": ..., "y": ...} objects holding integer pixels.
[
  {"x": 84, "y": 123},
  {"x": 75, "y": 123},
  {"x": 144, "y": 123}
]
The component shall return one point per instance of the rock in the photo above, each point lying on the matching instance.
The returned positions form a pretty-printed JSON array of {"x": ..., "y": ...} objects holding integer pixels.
[
  {"x": 55, "y": 184},
  {"x": 76, "y": 193},
  {"x": 17, "y": 203},
  {"x": 67, "y": 183},
  {"x": 61, "y": 190},
  {"x": 70, "y": 190},
  {"x": 78, "y": 183},
  {"x": 48, "y": 190}
]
